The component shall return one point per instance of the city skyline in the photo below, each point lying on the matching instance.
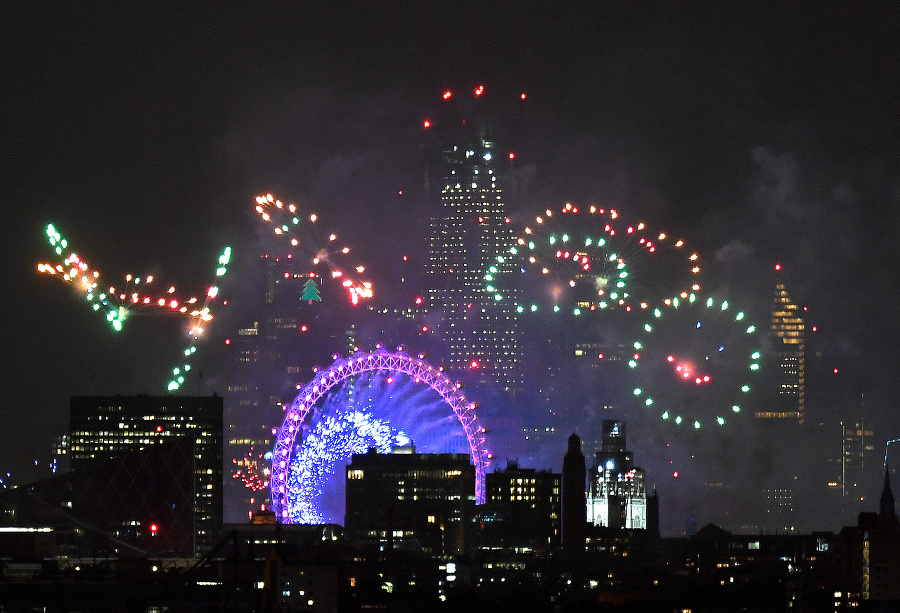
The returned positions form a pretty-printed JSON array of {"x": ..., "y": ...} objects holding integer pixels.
[{"x": 769, "y": 141}]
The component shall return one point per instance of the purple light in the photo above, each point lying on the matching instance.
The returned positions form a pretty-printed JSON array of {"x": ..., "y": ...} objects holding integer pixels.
[{"x": 342, "y": 369}]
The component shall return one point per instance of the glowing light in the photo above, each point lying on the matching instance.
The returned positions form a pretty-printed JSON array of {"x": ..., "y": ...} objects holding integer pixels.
[
  {"x": 289, "y": 498},
  {"x": 306, "y": 242},
  {"x": 591, "y": 261},
  {"x": 137, "y": 295},
  {"x": 705, "y": 362}
]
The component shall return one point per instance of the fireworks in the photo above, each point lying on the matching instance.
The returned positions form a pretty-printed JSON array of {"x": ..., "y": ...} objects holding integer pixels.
[
  {"x": 253, "y": 470},
  {"x": 197, "y": 324},
  {"x": 576, "y": 260},
  {"x": 301, "y": 232},
  {"x": 696, "y": 359},
  {"x": 116, "y": 304}
]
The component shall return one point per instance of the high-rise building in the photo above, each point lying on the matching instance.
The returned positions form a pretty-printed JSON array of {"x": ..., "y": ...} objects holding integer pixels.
[
  {"x": 478, "y": 324},
  {"x": 405, "y": 498},
  {"x": 788, "y": 331},
  {"x": 103, "y": 427},
  {"x": 858, "y": 457},
  {"x": 617, "y": 497}
]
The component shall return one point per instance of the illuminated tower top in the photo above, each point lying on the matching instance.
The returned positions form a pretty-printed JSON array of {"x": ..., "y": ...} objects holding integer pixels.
[{"x": 788, "y": 329}]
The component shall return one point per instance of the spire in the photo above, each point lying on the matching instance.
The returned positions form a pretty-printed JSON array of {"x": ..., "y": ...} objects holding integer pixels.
[{"x": 887, "y": 511}]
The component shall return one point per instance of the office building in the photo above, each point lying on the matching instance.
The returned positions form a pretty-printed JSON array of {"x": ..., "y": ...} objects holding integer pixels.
[
  {"x": 405, "y": 499},
  {"x": 788, "y": 331},
  {"x": 103, "y": 427},
  {"x": 522, "y": 509},
  {"x": 138, "y": 503},
  {"x": 478, "y": 324}
]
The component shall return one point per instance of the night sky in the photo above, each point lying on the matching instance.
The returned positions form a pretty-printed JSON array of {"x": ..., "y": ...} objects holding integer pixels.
[{"x": 762, "y": 134}]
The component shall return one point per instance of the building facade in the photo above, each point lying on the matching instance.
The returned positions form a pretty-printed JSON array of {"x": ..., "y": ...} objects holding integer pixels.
[
  {"x": 788, "y": 330},
  {"x": 103, "y": 427},
  {"x": 479, "y": 325},
  {"x": 617, "y": 495},
  {"x": 406, "y": 499},
  {"x": 522, "y": 510}
]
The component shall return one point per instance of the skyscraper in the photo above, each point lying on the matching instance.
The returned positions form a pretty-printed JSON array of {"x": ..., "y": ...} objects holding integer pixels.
[
  {"x": 789, "y": 354},
  {"x": 104, "y": 427},
  {"x": 479, "y": 326}
]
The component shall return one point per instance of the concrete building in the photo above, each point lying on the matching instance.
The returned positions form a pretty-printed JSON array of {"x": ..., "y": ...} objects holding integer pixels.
[{"x": 522, "y": 510}]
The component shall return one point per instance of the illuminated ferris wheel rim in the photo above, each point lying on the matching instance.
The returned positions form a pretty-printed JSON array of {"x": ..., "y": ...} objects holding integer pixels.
[
  {"x": 609, "y": 272},
  {"x": 688, "y": 302},
  {"x": 344, "y": 368}
]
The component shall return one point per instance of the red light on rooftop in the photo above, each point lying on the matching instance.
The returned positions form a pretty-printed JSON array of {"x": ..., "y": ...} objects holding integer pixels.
[
  {"x": 159, "y": 428},
  {"x": 522, "y": 95},
  {"x": 426, "y": 124},
  {"x": 512, "y": 155},
  {"x": 777, "y": 266},
  {"x": 479, "y": 90},
  {"x": 447, "y": 95}
]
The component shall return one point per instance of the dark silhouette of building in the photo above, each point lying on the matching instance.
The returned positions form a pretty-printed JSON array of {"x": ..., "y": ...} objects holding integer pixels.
[
  {"x": 887, "y": 511},
  {"x": 412, "y": 500},
  {"x": 522, "y": 509},
  {"x": 135, "y": 504},
  {"x": 103, "y": 427},
  {"x": 573, "y": 504}
]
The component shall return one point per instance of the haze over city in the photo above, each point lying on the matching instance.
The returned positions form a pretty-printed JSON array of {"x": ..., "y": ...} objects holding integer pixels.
[{"x": 760, "y": 136}]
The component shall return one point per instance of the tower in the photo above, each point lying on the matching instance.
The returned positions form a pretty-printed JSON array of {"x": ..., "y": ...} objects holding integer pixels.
[
  {"x": 479, "y": 326},
  {"x": 788, "y": 329},
  {"x": 573, "y": 508},
  {"x": 617, "y": 496}
]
